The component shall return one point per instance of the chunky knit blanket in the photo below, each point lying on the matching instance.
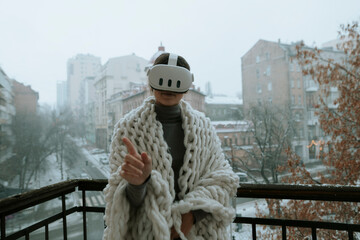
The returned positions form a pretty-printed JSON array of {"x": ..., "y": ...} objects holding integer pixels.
[{"x": 206, "y": 180}]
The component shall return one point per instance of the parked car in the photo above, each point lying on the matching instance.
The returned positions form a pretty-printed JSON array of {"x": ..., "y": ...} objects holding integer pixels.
[
  {"x": 243, "y": 177},
  {"x": 84, "y": 176},
  {"x": 97, "y": 151},
  {"x": 104, "y": 160}
]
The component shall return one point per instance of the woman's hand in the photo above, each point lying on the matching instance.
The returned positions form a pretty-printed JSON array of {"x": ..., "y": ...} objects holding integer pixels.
[
  {"x": 136, "y": 168},
  {"x": 187, "y": 220}
]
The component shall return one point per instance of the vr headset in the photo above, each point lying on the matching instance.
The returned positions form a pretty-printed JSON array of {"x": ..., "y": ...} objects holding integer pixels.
[{"x": 169, "y": 77}]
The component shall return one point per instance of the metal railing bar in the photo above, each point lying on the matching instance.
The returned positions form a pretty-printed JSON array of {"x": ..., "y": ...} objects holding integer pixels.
[
  {"x": 351, "y": 235},
  {"x": 22, "y": 201},
  {"x": 63, "y": 203},
  {"x": 3, "y": 229},
  {"x": 40, "y": 224},
  {"x": 84, "y": 213},
  {"x": 298, "y": 223},
  {"x": 313, "y": 233},
  {"x": 93, "y": 209},
  {"x": 47, "y": 232},
  {"x": 92, "y": 185},
  {"x": 300, "y": 192},
  {"x": 253, "y": 227},
  {"x": 283, "y": 232}
]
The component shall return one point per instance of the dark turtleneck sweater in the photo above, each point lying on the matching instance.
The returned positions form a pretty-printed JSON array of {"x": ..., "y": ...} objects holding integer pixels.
[{"x": 170, "y": 118}]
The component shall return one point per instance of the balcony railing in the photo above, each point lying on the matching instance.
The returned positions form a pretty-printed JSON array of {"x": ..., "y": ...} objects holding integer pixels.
[{"x": 14, "y": 204}]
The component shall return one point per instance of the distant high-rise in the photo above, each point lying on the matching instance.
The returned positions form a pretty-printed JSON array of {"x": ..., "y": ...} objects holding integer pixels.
[
  {"x": 61, "y": 94},
  {"x": 78, "y": 68}
]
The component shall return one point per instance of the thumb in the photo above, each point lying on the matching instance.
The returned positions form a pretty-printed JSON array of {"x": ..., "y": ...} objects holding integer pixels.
[{"x": 145, "y": 158}]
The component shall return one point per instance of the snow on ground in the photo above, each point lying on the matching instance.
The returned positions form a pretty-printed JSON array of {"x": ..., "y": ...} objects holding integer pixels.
[
  {"x": 247, "y": 209},
  {"x": 95, "y": 160},
  {"x": 48, "y": 176}
]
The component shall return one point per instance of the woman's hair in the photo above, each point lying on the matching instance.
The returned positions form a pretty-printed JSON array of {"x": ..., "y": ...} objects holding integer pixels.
[{"x": 164, "y": 58}]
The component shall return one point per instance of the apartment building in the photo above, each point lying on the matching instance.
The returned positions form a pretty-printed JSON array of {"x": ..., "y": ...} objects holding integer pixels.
[
  {"x": 25, "y": 98},
  {"x": 119, "y": 74},
  {"x": 270, "y": 73},
  {"x": 7, "y": 111},
  {"x": 61, "y": 95},
  {"x": 78, "y": 68},
  {"x": 222, "y": 107}
]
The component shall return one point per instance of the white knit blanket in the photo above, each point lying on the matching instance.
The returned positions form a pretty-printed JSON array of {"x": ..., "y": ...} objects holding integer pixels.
[{"x": 206, "y": 180}]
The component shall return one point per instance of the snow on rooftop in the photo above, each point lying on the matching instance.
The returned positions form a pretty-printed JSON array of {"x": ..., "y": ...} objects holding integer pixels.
[
  {"x": 229, "y": 123},
  {"x": 222, "y": 99}
]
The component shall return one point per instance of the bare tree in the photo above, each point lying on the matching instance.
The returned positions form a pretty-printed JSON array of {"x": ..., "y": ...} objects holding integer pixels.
[{"x": 271, "y": 130}]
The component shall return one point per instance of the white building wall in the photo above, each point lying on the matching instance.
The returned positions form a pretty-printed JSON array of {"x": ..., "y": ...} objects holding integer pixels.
[
  {"x": 61, "y": 94},
  {"x": 78, "y": 68}
]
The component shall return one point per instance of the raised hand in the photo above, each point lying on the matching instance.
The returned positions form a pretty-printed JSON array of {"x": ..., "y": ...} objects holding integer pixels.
[{"x": 136, "y": 168}]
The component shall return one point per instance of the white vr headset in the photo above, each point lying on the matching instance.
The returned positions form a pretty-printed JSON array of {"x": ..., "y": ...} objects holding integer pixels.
[{"x": 169, "y": 77}]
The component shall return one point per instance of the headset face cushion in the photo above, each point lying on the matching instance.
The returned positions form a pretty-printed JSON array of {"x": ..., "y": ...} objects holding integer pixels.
[{"x": 170, "y": 78}]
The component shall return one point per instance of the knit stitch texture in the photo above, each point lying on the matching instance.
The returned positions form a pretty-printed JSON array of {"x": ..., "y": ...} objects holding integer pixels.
[{"x": 206, "y": 180}]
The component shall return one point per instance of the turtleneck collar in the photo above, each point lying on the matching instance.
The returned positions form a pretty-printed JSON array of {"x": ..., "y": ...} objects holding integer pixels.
[{"x": 168, "y": 114}]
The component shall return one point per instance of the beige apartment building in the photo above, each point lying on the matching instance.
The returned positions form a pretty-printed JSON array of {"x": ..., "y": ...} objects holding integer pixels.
[
  {"x": 119, "y": 74},
  {"x": 270, "y": 73}
]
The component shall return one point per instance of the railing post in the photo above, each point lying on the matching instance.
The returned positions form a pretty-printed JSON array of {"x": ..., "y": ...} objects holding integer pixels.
[
  {"x": 3, "y": 233},
  {"x": 284, "y": 232},
  {"x": 84, "y": 213},
  {"x": 351, "y": 234},
  {"x": 254, "y": 231},
  {"x": 313, "y": 232},
  {"x": 47, "y": 232},
  {"x": 64, "y": 216}
]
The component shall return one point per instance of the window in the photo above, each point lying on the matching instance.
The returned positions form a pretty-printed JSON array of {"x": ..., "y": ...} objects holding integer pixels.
[
  {"x": 270, "y": 99},
  {"x": 267, "y": 55},
  {"x": 257, "y": 73},
  {"x": 292, "y": 99},
  {"x": 291, "y": 67},
  {"x": 257, "y": 59},
  {"x": 258, "y": 88},
  {"x": 298, "y": 150},
  {"x": 298, "y": 83},
  {"x": 292, "y": 83},
  {"x": 269, "y": 86},
  {"x": 268, "y": 71},
  {"x": 299, "y": 100}
]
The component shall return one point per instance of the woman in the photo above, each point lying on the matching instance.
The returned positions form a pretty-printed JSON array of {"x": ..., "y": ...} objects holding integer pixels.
[{"x": 180, "y": 186}]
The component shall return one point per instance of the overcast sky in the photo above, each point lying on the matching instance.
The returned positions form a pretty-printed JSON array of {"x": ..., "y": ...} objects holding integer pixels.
[{"x": 37, "y": 37}]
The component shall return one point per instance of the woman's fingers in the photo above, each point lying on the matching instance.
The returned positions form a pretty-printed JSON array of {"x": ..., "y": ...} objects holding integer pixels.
[
  {"x": 131, "y": 169},
  {"x": 129, "y": 159},
  {"x": 130, "y": 147}
]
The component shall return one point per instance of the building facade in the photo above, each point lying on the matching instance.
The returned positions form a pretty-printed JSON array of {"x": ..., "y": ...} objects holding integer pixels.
[
  {"x": 223, "y": 108},
  {"x": 25, "y": 98},
  {"x": 270, "y": 73},
  {"x": 61, "y": 95},
  {"x": 78, "y": 68},
  {"x": 117, "y": 75},
  {"x": 7, "y": 111}
]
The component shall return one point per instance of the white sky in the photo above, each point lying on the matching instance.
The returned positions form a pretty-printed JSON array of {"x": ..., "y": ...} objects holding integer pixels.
[{"x": 37, "y": 37}]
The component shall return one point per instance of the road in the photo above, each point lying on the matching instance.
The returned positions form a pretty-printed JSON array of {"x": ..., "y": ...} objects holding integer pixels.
[{"x": 95, "y": 222}]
